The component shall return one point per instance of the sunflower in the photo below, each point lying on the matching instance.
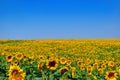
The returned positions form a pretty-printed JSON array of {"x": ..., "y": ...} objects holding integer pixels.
[
  {"x": 118, "y": 70},
  {"x": 25, "y": 58},
  {"x": 111, "y": 75},
  {"x": 88, "y": 61},
  {"x": 68, "y": 62},
  {"x": 9, "y": 58},
  {"x": 112, "y": 59},
  {"x": 95, "y": 65},
  {"x": 100, "y": 71},
  {"x": 40, "y": 66},
  {"x": 52, "y": 64},
  {"x": 63, "y": 60},
  {"x": 15, "y": 62},
  {"x": 103, "y": 66},
  {"x": 104, "y": 62},
  {"x": 63, "y": 70},
  {"x": 73, "y": 71},
  {"x": 80, "y": 63},
  {"x": 111, "y": 64},
  {"x": 19, "y": 56},
  {"x": 15, "y": 73},
  {"x": 82, "y": 67},
  {"x": 89, "y": 70},
  {"x": 41, "y": 57}
]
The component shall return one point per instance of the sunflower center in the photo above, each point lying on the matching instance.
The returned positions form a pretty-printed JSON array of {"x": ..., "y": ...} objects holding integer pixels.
[
  {"x": 63, "y": 71},
  {"x": 9, "y": 57},
  {"x": 111, "y": 74},
  {"x": 89, "y": 71},
  {"x": 41, "y": 57},
  {"x": 112, "y": 64},
  {"x": 80, "y": 63},
  {"x": 100, "y": 71},
  {"x": 63, "y": 60},
  {"x": 52, "y": 64},
  {"x": 19, "y": 56},
  {"x": 15, "y": 72}
]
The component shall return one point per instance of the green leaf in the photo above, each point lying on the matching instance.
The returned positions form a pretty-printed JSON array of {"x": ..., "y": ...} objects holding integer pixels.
[{"x": 29, "y": 77}]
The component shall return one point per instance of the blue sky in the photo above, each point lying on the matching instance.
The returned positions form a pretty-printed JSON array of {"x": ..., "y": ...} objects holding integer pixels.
[{"x": 44, "y": 19}]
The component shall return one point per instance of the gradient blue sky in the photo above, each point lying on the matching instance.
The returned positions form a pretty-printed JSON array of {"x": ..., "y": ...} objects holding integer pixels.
[{"x": 42, "y": 19}]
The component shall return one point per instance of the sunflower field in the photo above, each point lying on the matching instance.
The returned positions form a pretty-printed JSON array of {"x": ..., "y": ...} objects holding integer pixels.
[{"x": 92, "y": 59}]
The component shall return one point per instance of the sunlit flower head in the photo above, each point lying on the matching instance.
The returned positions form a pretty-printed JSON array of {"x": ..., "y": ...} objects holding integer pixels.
[
  {"x": 40, "y": 66},
  {"x": 95, "y": 65},
  {"x": 111, "y": 64},
  {"x": 89, "y": 69},
  {"x": 68, "y": 62},
  {"x": 52, "y": 64},
  {"x": 100, "y": 71},
  {"x": 63, "y": 70},
  {"x": 73, "y": 71},
  {"x": 88, "y": 61},
  {"x": 103, "y": 66},
  {"x": 15, "y": 62},
  {"x": 41, "y": 57},
  {"x": 111, "y": 75},
  {"x": 63, "y": 60},
  {"x": 19, "y": 56},
  {"x": 15, "y": 73},
  {"x": 82, "y": 67},
  {"x": 80, "y": 63},
  {"x": 9, "y": 58}
]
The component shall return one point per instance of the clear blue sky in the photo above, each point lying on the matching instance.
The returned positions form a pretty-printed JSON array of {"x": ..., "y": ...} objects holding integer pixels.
[{"x": 41, "y": 19}]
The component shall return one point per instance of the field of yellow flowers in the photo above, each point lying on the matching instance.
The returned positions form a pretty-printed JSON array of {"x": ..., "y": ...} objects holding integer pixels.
[{"x": 92, "y": 59}]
